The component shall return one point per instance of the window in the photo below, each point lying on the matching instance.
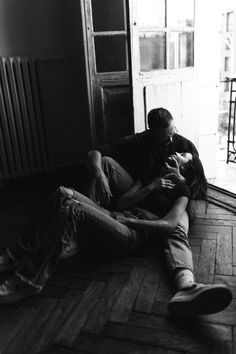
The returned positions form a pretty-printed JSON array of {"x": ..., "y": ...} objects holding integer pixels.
[
  {"x": 227, "y": 68},
  {"x": 229, "y": 22},
  {"x": 166, "y": 34},
  {"x": 110, "y": 36}
]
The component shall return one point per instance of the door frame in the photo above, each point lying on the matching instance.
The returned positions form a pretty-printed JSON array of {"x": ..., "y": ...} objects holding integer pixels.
[{"x": 94, "y": 79}]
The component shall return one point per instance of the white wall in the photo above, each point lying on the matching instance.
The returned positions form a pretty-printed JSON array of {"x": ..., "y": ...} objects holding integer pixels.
[{"x": 207, "y": 64}]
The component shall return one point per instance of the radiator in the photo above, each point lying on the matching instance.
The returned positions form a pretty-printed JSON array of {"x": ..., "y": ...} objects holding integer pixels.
[{"x": 23, "y": 143}]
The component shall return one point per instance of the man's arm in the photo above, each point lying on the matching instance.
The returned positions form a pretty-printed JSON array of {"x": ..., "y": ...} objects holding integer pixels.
[
  {"x": 99, "y": 189},
  {"x": 138, "y": 192},
  {"x": 174, "y": 172},
  {"x": 94, "y": 162}
]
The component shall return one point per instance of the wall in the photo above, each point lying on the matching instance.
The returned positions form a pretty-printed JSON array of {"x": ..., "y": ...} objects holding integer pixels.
[
  {"x": 51, "y": 31},
  {"x": 207, "y": 64}
]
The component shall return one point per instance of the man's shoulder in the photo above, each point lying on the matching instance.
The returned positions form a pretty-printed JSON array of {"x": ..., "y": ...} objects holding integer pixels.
[
  {"x": 136, "y": 137},
  {"x": 182, "y": 138},
  {"x": 184, "y": 143},
  {"x": 126, "y": 144}
]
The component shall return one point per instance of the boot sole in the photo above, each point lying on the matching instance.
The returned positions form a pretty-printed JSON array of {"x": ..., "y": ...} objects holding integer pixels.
[{"x": 207, "y": 301}]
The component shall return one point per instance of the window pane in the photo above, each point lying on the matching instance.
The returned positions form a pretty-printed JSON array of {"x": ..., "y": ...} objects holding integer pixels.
[
  {"x": 227, "y": 68},
  {"x": 181, "y": 49},
  {"x": 228, "y": 40},
  {"x": 230, "y": 22},
  {"x": 151, "y": 13},
  {"x": 108, "y": 15},
  {"x": 180, "y": 13},
  {"x": 152, "y": 51},
  {"x": 110, "y": 53}
]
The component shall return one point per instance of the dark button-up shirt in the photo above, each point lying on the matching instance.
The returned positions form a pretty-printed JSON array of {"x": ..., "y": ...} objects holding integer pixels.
[{"x": 142, "y": 155}]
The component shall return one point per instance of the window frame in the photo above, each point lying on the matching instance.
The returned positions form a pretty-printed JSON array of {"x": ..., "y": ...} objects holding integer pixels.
[
  {"x": 111, "y": 33},
  {"x": 167, "y": 30}
]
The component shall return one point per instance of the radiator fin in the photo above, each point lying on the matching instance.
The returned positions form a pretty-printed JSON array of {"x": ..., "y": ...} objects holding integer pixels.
[{"x": 24, "y": 146}]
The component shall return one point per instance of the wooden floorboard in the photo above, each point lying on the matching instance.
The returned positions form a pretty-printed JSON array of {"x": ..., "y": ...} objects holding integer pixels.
[{"x": 120, "y": 306}]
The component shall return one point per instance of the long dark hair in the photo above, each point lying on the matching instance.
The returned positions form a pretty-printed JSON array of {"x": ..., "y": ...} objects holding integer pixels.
[{"x": 195, "y": 178}]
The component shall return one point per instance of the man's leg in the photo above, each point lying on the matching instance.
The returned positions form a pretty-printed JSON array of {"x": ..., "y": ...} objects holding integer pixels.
[
  {"x": 191, "y": 298},
  {"x": 119, "y": 180},
  {"x": 75, "y": 219}
]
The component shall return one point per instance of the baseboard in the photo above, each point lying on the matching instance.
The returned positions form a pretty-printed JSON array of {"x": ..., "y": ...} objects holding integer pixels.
[{"x": 222, "y": 198}]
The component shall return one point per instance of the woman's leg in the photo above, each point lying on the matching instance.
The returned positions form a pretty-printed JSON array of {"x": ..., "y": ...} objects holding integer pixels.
[
  {"x": 191, "y": 298},
  {"x": 177, "y": 249}
]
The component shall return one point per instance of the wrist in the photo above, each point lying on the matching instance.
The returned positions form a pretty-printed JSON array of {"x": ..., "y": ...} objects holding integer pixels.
[
  {"x": 130, "y": 222},
  {"x": 150, "y": 187}
]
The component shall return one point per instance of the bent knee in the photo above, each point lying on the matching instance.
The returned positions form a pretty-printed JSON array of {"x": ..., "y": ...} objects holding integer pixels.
[
  {"x": 66, "y": 192},
  {"x": 108, "y": 160}
]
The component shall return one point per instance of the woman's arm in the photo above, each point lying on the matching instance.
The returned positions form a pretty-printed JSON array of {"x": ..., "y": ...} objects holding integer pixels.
[
  {"x": 138, "y": 192},
  {"x": 133, "y": 196},
  {"x": 165, "y": 224}
]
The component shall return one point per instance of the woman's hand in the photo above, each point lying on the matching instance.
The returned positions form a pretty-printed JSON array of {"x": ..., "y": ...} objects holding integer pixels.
[{"x": 160, "y": 183}]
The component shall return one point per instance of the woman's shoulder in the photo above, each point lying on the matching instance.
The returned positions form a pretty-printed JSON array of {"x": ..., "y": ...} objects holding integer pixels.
[{"x": 181, "y": 190}]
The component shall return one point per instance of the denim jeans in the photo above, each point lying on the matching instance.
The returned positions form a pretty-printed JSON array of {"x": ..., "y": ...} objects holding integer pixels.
[
  {"x": 177, "y": 250},
  {"x": 119, "y": 181},
  {"x": 70, "y": 217}
]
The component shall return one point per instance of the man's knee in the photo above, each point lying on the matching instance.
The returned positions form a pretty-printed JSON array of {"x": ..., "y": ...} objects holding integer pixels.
[
  {"x": 108, "y": 161},
  {"x": 66, "y": 192}
]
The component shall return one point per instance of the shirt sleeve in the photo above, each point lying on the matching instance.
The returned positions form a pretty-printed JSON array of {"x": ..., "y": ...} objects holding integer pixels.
[
  {"x": 182, "y": 190},
  {"x": 126, "y": 151},
  {"x": 182, "y": 144},
  {"x": 118, "y": 147}
]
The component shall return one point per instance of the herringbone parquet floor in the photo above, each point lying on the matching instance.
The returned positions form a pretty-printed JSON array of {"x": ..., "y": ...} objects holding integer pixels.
[{"x": 120, "y": 306}]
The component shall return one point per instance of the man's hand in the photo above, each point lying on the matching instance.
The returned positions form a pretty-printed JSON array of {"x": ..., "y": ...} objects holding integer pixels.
[
  {"x": 145, "y": 214},
  {"x": 124, "y": 219},
  {"x": 99, "y": 190},
  {"x": 161, "y": 183},
  {"x": 174, "y": 173}
]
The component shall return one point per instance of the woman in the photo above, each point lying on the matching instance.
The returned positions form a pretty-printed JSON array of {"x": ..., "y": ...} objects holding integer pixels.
[{"x": 70, "y": 221}]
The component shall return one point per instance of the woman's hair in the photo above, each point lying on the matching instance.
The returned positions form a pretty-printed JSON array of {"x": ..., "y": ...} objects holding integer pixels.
[{"x": 195, "y": 178}]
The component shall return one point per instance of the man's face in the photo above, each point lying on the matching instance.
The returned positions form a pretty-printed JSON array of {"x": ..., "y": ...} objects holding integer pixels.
[{"x": 164, "y": 136}]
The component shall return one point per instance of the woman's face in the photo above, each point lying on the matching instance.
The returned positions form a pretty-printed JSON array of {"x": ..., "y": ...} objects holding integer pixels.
[{"x": 181, "y": 157}]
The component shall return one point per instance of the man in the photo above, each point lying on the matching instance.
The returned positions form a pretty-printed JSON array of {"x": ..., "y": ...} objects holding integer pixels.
[
  {"x": 114, "y": 169},
  {"x": 141, "y": 156}
]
